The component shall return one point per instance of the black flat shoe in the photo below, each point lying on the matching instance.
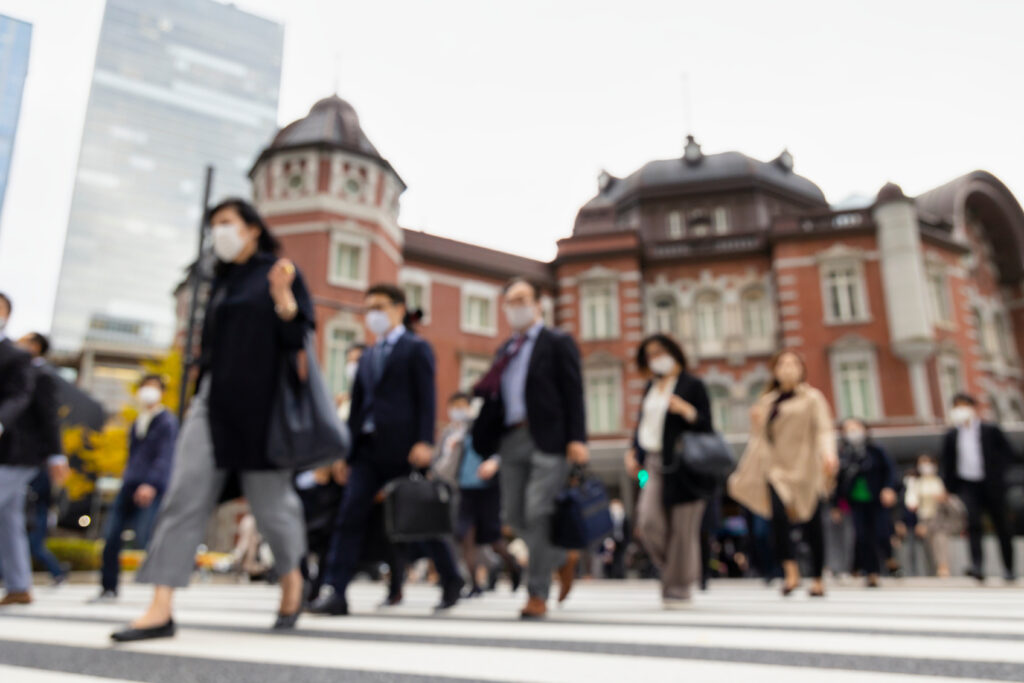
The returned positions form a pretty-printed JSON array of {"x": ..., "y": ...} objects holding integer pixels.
[
  {"x": 450, "y": 596},
  {"x": 788, "y": 590},
  {"x": 286, "y": 622},
  {"x": 130, "y": 635},
  {"x": 332, "y": 605}
]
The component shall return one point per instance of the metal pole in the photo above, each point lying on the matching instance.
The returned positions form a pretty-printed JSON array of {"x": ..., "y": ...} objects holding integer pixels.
[{"x": 188, "y": 358}]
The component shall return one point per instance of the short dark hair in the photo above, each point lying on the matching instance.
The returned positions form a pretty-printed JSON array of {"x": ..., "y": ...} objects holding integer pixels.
[
  {"x": 964, "y": 397},
  {"x": 153, "y": 377},
  {"x": 460, "y": 396},
  {"x": 521, "y": 279},
  {"x": 858, "y": 420},
  {"x": 391, "y": 291},
  {"x": 667, "y": 342},
  {"x": 41, "y": 341},
  {"x": 7, "y": 301},
  {"x": 248, "y": 213}
]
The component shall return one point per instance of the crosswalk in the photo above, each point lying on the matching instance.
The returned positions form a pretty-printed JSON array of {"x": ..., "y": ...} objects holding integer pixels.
[{"x": 608, "y": 631}]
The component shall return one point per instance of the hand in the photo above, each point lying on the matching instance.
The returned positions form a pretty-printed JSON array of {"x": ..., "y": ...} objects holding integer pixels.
[
  {"x": 281, "y": 277},
  {"x": 487, "y": 469},
  {"x": 59, "y": 473},
  {"x": 831, "y": 464},
  {"x": 757, "y": 416},
  {"x": 322, "y": 475},
  {"x": 887, "y": 497},
  {"x": 631, "y": 463},
  {"x": 837, "y": 515},
  {"x": 144, "y": 495},
  {"x": 421, "y": 456},
  {"x": 302, "y": 365},
  {"x": 339, "y": 472},
  {"x": 577, "y": 453},
  {"x": 921, "y": 530},
  {"x": 682, "y": 408}
]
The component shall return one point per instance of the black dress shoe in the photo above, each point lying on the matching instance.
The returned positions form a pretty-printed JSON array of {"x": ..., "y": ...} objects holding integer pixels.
[
  {"x": 334, "y": 605},
  {"x": 975, "y": 574},
  {"x": 130, "y": 635},
  {"x": 286, "y": 622},
  {"x": 392, "y": 600},
  {"x": 451, "y": 594}
]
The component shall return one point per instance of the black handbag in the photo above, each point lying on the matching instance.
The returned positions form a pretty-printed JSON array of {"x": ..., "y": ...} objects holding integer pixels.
[
  {"x": 304, "y": 430},
  {"x": 581, "y": 516},
  {"x": 706, "y": 454},
  {"x": 418, "y": 509}
]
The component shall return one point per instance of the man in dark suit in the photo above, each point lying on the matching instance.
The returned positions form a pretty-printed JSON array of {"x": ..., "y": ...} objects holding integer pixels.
[
  {"x": 975, "y": 456},
  {"x": 392, "y": 419},
  {"x": 19, "y": 461},
  {"x": 533, "y": 417}
]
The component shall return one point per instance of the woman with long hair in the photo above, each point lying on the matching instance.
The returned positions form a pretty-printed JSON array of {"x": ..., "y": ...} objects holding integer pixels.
[
  {"x": 258, "y": 311},
  {"x": 672, "y": 503},
  {"x": 788, "y": 466}
]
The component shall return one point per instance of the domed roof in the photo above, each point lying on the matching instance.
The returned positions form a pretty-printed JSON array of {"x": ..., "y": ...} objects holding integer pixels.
[
  {"x": 699, "y": 170},
  {"x": 331, "y": 121}
]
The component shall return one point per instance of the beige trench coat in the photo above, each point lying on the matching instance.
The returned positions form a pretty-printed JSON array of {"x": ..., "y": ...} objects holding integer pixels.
[{"x": 794, "y": 462}]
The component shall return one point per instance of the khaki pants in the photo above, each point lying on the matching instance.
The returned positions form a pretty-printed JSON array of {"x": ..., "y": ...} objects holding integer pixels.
[{"x": 670, "y": 536}]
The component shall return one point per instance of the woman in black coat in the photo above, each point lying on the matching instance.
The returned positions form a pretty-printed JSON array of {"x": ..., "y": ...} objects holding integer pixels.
[
  {"x": 258, "y": 312},
  {"x": 672, "y": 502}
]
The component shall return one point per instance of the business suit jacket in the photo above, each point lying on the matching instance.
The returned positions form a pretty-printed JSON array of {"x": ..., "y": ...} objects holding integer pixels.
[
  {"x": 683, "y": 485},
  {"x": 403, "y": 402},
  {"x": 17, "y": 383},
  {"x": 996, "y": 451},
  {"x": 38, "y": 428},
  {"x": 554, "y": 398}
]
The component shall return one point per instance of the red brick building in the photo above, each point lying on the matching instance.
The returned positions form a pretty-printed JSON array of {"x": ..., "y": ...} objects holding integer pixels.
[{"x": 894, "y": 304}]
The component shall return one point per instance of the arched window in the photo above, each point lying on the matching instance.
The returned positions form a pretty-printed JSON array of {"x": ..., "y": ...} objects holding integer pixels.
[
  {"x": 664, "y": 315},
  {"x": 756, "y": 316},
  {"x": 709, "y": 321},
  {"x": 721, "y": 413}
]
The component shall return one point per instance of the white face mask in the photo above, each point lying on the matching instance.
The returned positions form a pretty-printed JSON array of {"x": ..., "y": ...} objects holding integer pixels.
[
  {"x": 378, "y": 323},
  {"x": 458, "y": 414},
  {"x": 519, "y": 317},
  {"x": 662, "y": 365},
  {"x": 228, "y": 241},
  {"x": 149, "y": 396},
  {"x": 961, "y": 416},
  {"x": 3, "y": 323},
  {"x": 350, "y": 373},
  {"x": 927, "y": 470},
  {"x": 856, "y": 438}
]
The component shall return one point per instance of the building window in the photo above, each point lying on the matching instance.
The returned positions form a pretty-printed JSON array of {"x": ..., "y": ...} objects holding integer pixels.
[
  {"x": 756, "y": 317},
  {"x": 478, "y": 314},
  {"x": 337, "y": 341},
  {"x": 347, "y": 267},
  {"x": 664, "y": 315},
  {"x": 721, "y": 412},
  {"x": 844, "y": 293},
  {"x": 1016, "y": 413},
  {"x": 721, "y": 220},
  {"x": 856, "y": 385},
  {"x": 599, "y": 302},
  {"x": 938, "y": 294},
  {"x": 1004, "y": 338},
  {"x": 699, "y": 223},
  {"x": 993, "y": 408},
  {"x": 949, "y": 380},
  {"x": 471, "y": 369},
  {"x": 603, "y": 412},
  {"x": 709, "y": 321},
  {"x": 675, "y": 225}
]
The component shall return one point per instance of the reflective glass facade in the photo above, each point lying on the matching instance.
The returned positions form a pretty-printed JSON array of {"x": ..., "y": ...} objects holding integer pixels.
[
  {"x": 178, "y": 84},
  {"x": 15, "y": 39}
]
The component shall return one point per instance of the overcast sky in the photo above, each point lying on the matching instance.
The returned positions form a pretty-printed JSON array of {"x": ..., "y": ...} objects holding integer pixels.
[{"x": 500, "y": 115}]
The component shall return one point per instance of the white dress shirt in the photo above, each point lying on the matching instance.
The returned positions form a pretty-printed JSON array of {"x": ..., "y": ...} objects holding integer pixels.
[
  {"x": 970, "y": 462},
  {"x": 651, "y": 430}
]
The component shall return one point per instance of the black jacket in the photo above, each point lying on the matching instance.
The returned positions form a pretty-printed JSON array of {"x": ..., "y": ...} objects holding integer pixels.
[
  {"x": 873, "y": 463},
  {"x": 38, "y": 429},
  {"x": 554, "y": 398},
  {"x": 996, "y": 451},
  {"x": 17, "y": 385},
  {"x": 682, "y": 485},
  {"x": 403, "y": 403},
  {"x": 244, "y": 342}
]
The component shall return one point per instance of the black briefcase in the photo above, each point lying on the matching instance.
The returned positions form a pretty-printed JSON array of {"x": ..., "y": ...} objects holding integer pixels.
[
  {"x": 418, "y": 509},
  {"x": 582, "y": 517}
]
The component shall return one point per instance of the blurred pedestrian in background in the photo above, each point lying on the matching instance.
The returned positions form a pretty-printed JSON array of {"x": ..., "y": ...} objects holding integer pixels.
[{"x": 926, "y": 497}]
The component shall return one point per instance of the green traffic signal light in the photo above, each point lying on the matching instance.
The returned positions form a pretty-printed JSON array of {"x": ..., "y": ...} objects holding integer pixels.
[{"x": 642, "y": 478}]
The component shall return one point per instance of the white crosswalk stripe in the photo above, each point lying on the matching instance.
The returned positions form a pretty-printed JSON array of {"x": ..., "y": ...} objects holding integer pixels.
[{"x": 608, "y": 631}]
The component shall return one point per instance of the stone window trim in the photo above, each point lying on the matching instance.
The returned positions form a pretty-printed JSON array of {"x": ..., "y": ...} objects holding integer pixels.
[
  {"x": 415, "y": 276},
  {"x": 856, "y": 350},
  {"x": 830, "y": 265},
  {"x": 945, "y": 362},
  {"x": 471, "y": 368},
  {"x": 484, "y": 291},
  {"x": 944, "y": 319},
  {"x": 587, "y": 290},
  {"x": 342, "y": 237},
  {"x": 603, "y": 367},
  {"x": 344, "y": 323}
]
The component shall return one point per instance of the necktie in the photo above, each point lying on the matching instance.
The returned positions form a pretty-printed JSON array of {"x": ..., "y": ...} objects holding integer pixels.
[
  {"x": 380, "y": 355},
  {"x": 490, "y": 384}
]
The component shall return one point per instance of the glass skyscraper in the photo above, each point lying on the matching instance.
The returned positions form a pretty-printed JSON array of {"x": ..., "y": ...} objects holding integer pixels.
[
  {"x": 178, "y": 84},
  {"x": 15, "y": 38}
]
